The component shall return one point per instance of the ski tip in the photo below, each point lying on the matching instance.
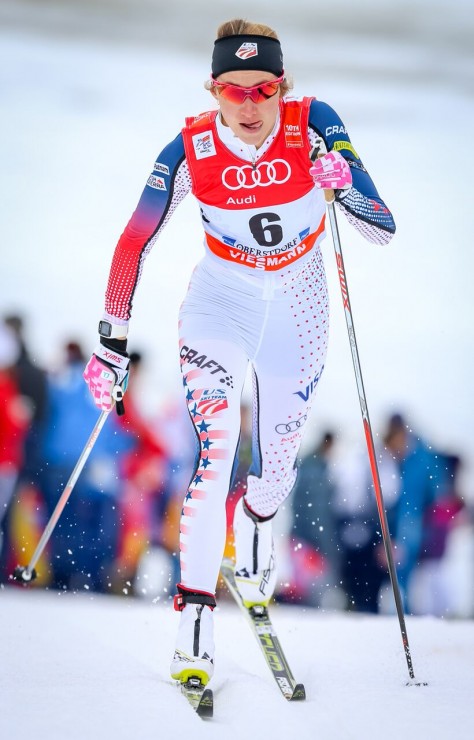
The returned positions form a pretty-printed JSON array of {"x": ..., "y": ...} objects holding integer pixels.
[
  {"x": 299, "y": 693},
  {"x": 205, "y": 708}
]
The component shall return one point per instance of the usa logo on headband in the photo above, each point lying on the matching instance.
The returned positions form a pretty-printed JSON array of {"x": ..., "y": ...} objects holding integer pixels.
[{"x": 247, "y": 50}]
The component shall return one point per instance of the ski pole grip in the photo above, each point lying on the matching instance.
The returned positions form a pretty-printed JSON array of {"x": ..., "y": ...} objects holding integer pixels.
[{"x": 329, "y": 196}]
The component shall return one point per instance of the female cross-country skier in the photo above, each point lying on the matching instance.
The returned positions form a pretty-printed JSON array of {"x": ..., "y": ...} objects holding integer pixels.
[{"x": 257, "y": 295}]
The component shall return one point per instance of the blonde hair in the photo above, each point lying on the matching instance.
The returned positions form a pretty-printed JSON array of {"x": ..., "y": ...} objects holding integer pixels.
[{"x": 239, "y": 26}]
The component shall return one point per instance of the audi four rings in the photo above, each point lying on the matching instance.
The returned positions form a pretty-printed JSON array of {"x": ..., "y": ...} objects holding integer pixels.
[
  {"x": 276, "y": 172},
  {"x": 292, "y": 426}
]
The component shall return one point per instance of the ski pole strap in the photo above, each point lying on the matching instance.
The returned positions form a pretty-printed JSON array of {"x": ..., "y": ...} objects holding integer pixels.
[
  {"x": 187, "y": 596},
  {"x": 117, "y": 395}
]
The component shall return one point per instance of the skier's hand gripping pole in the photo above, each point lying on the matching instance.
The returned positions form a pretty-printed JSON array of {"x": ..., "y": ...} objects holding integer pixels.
[
  {"x": 106, "y": 374},
  {"x": 330, "y": 172}
]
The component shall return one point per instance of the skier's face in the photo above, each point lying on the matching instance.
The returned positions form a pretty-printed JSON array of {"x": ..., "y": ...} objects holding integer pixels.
[{"x": 250, "y": 121}]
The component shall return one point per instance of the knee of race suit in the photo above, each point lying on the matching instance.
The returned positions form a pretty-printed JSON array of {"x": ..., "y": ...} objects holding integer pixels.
[{"x": 264, "y": 497}]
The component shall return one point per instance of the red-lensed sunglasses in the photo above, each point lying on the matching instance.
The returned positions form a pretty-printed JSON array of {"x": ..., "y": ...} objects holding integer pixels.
[{"x": 237, "y": 94}]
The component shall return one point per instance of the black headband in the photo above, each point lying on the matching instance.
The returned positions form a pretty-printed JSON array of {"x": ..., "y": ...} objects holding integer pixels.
[{"x": 247, "y": 51}]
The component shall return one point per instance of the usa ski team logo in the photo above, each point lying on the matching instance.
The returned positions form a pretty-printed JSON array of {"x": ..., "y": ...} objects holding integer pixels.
[
  {"x": 204, "y": 145},
  {"x": 248, "y": 50},
  {"x": 211, "y": 401}
]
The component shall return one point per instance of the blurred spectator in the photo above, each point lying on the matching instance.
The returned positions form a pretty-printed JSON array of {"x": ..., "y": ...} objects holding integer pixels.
[
  {"x": 32, "y": 384},
  {"x": 442, "y": 515},
  {"x": 14, "y": 420},
  {"x": 359, "y": 530},
  {"x": 23, "y": 519},
  {"x": 363, "y": 566},
  {"x": 314, "y": 548},
  {"x": 434, "y": 581},
  {"x": 422, "y": 477}
]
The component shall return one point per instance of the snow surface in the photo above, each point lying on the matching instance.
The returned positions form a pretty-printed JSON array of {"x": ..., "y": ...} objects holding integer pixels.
[{"x": 88, "y": 667}]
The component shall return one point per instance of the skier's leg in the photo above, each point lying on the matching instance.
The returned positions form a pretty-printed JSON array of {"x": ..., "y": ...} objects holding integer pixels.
[
  {"x": 213, "y": 376},
  {"x": 287, "y": 367},
  {"x": 278, "y": 430}
]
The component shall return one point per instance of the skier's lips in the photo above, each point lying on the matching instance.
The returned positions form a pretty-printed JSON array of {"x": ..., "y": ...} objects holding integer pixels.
[{"x": 255, "y": 126}]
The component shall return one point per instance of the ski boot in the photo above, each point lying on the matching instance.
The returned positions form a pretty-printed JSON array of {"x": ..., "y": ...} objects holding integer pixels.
[
  {"x": 194, "y": 653},
  {"x": 255, "y": 571}
]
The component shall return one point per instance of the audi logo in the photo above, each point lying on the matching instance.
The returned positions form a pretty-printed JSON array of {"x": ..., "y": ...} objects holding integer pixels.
[
  {"x": 291, "y": 426},
  {"x": 264, "y": 174}
]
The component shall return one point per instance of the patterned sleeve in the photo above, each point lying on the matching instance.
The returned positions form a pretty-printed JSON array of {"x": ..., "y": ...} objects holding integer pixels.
[
  {"x": 361, "y": 204},
  {"x": 166, "y": 187}
]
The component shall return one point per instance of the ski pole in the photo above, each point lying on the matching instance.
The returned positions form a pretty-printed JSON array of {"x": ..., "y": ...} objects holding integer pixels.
[
  {"x": 368, "y": 429},
  {"x": 25, "y": 574}
]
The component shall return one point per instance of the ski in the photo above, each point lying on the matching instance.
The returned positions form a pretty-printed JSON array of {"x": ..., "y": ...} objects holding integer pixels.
[
  {"x": 200, "y": 698},
  {"x": 262, "y": 627}
]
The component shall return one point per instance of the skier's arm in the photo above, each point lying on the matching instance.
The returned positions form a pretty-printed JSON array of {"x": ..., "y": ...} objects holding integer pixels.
[
  {"x": 165, "y": 189},
  {"x": 361, "y": 204}
]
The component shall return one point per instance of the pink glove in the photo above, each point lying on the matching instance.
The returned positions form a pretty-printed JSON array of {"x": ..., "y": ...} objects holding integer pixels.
[
  {"x": 331, "y": 172},
  {"x": 105, "y": 370}
]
